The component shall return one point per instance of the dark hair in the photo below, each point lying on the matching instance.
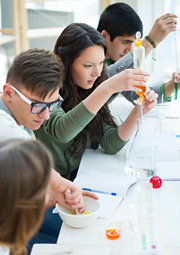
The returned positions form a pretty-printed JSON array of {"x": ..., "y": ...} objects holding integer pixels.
[
  {"x": 120, "y": 19},
  {"x": 37, "y": 70},
  {"x": 71, "y": 43},
  {"x": 24, "y": 176}
]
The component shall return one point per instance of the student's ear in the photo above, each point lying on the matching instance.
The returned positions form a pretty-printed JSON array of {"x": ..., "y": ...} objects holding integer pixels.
[
  {"x": 105, "y": 34},
  {"x": 7, "y": 92}
]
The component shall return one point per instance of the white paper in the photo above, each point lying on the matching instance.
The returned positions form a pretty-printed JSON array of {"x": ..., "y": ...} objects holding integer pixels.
[
  {"x": 169, "y": 171},
  {"x": 167, "y": 147},
  {"x": 166, "y": 143},
  {"x": 108, "y": 203},
  {"x": 172, "y": 123},
  {"x": 105, "y": 183}
]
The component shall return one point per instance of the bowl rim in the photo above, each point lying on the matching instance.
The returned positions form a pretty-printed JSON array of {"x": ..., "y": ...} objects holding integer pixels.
[{"x": 79, "y": 215}]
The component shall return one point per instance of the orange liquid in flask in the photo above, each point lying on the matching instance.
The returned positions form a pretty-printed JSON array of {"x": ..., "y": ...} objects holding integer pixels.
[
  {"x": 141, "y": 94},
  {"x": 112, "y": 234}
]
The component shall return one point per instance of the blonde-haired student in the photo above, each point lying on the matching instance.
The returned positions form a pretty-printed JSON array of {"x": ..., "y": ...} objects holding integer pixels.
[{"x": 25, "y": 167}]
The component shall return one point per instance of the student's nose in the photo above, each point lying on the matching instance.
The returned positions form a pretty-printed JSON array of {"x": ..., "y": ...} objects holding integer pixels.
[
  {"x": 129, "y": 48},
  {"x": 96, "y": 71},
  {"x": 45, "y": 114}
]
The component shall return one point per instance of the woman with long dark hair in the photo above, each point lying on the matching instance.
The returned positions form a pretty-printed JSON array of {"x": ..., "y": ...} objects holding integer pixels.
[{"x": 84, "y": 120}]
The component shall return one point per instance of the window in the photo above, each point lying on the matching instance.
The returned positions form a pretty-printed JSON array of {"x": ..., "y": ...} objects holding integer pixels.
[
  {"x": 84, "y": 10},
  {"x": 172, "y": 6}
]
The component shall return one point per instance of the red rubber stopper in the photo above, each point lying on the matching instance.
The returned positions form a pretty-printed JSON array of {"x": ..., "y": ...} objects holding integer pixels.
[{"x": 156, "y": 182}]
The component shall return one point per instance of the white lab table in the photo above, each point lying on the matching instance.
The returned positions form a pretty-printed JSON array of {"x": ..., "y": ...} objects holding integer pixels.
[
  {"x": 92, "y": 240},
  {"x": 166, "y": 204}
]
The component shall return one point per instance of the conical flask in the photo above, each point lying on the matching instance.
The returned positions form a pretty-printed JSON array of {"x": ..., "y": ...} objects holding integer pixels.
[{"x": 141, "y": 160}]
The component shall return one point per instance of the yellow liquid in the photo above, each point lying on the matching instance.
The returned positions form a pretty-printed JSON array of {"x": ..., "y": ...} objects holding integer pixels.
[{"x": 84, "y": 213}]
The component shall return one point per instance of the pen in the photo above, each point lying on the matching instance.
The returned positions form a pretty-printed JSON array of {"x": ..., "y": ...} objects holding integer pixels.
[{"x": 103, "y": 192}]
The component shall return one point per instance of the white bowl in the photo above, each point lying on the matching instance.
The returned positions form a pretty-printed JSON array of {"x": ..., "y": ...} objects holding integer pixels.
[{"x": 80, "y": 221}]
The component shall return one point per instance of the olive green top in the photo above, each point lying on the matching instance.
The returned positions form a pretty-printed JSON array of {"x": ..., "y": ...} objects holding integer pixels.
[{"x": 58, "y": 132}]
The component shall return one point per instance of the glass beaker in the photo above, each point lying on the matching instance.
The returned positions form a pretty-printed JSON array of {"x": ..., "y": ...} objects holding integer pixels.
[
  {"x": 161, "y": 125},
  {"x": 141, "y": 160}
]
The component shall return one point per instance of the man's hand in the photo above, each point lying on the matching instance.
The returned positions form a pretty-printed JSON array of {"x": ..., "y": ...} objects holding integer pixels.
[
  {"x": 58, "y": 192},
  {"x": 162, "y": 27},
  {"x": 73, "y": 203},
  {"x": 169, "y": 86},
  {"x": 176, "y": 77}
]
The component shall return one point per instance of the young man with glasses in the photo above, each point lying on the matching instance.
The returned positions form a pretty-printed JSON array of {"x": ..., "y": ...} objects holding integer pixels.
[
  {"x": 32, "y": 89},
  {"x": 31, "y": 92}
]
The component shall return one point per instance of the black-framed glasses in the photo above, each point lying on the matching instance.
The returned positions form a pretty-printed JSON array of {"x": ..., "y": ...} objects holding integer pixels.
[{"x": 39, "y": 107}]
